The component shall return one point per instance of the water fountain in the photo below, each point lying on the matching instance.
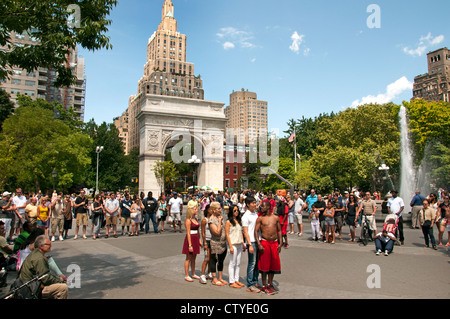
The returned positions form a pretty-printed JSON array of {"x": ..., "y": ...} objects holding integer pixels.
[{"x": 407, "y": 171}]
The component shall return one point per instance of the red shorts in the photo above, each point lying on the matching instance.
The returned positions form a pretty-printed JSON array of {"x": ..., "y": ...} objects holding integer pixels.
[
  {"x": 284, "y": 224},
  {"x": 269, "y": 260}
]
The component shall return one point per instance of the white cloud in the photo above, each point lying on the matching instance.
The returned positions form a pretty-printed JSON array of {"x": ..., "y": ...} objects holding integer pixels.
[
  {"x": 230, "y": 37},
  {"x": 228, "y": 45},
  {"x": 424, "y": 43},
  {"x": 253, "y": 60},
  {"x": 393, "y": 90},
  {"x": 297, "y": 41}
]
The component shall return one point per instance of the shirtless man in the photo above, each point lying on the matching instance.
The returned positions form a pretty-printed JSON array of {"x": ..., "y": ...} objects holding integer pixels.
[{"x": 269, "y": 247}]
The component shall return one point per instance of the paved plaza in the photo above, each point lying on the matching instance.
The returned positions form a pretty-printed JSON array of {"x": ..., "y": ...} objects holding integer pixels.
[{"x": 150, "y": 266}]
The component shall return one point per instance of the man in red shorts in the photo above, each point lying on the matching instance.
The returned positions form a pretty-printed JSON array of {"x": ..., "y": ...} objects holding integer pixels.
[{"x": 269, "y": 247}]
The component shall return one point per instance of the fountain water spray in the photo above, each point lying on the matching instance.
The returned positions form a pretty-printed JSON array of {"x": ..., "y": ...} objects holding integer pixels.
[{"x": 407, "y": 171}]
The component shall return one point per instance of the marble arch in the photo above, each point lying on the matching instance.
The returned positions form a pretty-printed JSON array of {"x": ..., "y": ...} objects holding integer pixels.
[{"x": 163, "y": 119}]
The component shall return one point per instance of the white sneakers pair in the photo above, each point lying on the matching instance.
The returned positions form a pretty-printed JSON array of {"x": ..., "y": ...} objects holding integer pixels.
[
  {"x": 60, "y": 238},
  {"x": 379, "y": 252}
]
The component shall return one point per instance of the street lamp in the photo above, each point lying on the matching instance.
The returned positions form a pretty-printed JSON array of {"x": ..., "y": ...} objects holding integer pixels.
[
  {"x": 194, "y": 160},
  {"x": 54, "y": 175},
  {"x": 97, "y": 150},
  {"x": 385, "y": 168}
]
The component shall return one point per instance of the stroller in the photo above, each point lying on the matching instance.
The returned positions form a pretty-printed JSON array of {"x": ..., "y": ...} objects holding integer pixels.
[{"x": 391, "y": 224}]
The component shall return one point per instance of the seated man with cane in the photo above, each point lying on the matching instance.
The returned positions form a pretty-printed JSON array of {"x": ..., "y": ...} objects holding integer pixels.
[{"x": 36, "y": 264}]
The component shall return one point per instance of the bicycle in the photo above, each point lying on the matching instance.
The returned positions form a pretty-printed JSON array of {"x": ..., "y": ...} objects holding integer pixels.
[{"x": 365, "y": 231}]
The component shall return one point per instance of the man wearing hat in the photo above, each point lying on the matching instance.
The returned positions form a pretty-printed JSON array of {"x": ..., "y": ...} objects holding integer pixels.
[
  {"x": 396, "y": 206},
  {"x": 6, "y": 213}
]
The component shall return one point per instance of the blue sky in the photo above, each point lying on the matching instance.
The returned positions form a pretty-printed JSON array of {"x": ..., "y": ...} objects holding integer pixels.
[{"x": 303, "y": 57}]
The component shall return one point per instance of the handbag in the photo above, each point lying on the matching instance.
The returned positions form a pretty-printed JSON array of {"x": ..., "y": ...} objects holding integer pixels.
[{"x": 133, "y": 215}]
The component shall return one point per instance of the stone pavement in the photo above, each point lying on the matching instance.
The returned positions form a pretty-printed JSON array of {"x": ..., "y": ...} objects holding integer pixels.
[{"x": 150, "y": 266}]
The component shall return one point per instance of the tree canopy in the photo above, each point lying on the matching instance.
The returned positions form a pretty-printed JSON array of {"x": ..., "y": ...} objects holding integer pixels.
[{"x": 52, "y": 25}]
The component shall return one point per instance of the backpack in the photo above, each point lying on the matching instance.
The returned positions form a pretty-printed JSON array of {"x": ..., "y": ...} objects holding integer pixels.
[{"x": 21, "y": 289}]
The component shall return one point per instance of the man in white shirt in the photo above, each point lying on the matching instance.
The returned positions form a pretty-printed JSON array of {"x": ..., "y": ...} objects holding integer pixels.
[
  {"x": 299, "y": 204},
  {"x": 396, "y": 206},
  {"x": 248, "y": 226},
  {"x": 20, "y": 202},
  {"x": 112, "y": 205},
  {"x": 175, "y": 210}
]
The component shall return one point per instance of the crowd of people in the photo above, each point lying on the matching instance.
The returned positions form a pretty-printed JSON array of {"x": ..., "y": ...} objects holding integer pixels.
[{"x": 219, "y": 224}]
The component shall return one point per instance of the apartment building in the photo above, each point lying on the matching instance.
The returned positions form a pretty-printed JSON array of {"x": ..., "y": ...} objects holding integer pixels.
[
  {"x": 121, "y": 123},
  {"x": 246, "y": 116},
  {"x": 39, "y": 83}
]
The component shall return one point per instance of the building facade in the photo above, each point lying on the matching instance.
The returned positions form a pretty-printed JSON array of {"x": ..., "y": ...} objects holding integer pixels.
[
  {"x": 434, "y": 85},
  {"x": 166, "y": 71},
  {"x": 169, "y": 107},
  {"x": 246, "y": 116},
  {"x": 121, "y": 123},
  {"x": 39, "y": 83}
]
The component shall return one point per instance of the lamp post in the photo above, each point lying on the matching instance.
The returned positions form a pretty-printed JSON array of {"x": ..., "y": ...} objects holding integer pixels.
[
  {"x": 195, "y": 161},
  {"x": 54, "y": 175},
  {"x": 98, "y": 151},
  {"x": 385, "y": 168}
]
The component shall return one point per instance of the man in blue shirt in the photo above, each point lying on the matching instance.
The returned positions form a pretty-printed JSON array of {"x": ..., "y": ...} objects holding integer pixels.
[
  {"x": 311, "y": 199},
  {"x": 416, "y": 206}
]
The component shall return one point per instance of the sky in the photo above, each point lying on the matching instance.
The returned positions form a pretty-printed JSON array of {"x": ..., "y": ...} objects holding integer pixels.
[{"x": 303, "y": 57}]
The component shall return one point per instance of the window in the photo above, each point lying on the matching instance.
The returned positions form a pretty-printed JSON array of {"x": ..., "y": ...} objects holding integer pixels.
[
  {"x": 15, "y": 81},
  {"x": 30, "y": 83}
]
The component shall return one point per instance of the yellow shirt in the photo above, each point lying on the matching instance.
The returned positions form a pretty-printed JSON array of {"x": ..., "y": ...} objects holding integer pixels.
[{"x": 43, "y": 213}]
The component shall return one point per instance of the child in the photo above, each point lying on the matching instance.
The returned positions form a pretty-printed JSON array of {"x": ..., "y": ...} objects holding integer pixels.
[
  {"x": 329, "y": 221},
  {"x": 315, "y": 223}
]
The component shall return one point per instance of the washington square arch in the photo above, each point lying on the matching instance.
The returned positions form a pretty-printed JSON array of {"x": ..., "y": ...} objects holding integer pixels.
[{"x": 170, "y": 121}]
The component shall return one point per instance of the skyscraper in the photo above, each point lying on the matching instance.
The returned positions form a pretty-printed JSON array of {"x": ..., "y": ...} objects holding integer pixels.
[
  {"x": 39, "y": 83},
  {"x": 434, "y": 85},
  {"x": 166, "y": 71},
  {"x": 246, "y": 115}
]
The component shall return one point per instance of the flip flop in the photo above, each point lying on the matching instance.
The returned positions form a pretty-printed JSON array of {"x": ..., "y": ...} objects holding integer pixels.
[
  {"x": 218, "y": 283},
  {"x": 188, "y": 279}
]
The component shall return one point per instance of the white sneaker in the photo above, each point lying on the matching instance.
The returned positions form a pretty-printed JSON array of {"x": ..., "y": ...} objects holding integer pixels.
[
  {"x": 61, "y": 238},
  {"x": 386, "y": 253},
  {"x": 53, "y": 238},
  {"x": 203, "y": 279},
  {"x": 378, "y": 252},
  {"x": 84, "y": 237},
  {"x": 76, "y": 236}
]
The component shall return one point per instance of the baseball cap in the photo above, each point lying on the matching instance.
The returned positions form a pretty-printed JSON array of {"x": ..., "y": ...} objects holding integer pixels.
[{"x": 6, "y": 194}]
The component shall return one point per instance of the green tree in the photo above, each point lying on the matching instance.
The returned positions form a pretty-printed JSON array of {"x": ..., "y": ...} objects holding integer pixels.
[
  {"x": 37, "y": 144},
  {"x": 354, "y": 142},
  {"x": 429, "y": 123},
  {"x": 113, "y": 173},
  {"x": 165, "y": 173},
  {"x": 47, "y": 21},
  {"x": 69, "y": 116}
]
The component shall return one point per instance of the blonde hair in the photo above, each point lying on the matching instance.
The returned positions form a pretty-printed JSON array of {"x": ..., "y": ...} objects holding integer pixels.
[
  {"x": 215, "y": 205},
  {"x": 190, "y": 211}
]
